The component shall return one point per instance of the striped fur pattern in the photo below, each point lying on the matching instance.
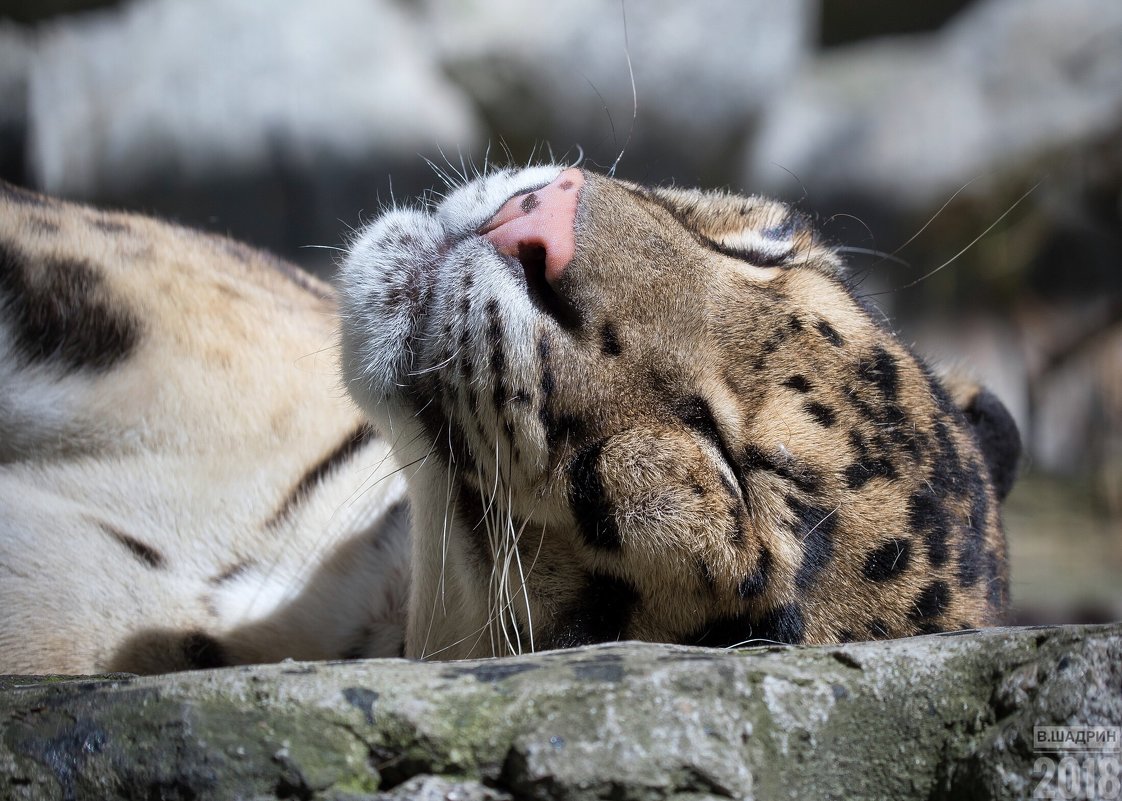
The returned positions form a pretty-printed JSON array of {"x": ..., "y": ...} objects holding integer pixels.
[{"x": 699, "y": 435}]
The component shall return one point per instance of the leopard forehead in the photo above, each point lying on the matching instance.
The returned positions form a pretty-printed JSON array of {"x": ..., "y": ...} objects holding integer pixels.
[
  {"x": 698, "y": 424},
  {"x": 669, "y": 292}
]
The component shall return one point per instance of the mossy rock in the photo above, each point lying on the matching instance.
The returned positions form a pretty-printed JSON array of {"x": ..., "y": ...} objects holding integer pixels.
[{"x": 945, "y": 716}]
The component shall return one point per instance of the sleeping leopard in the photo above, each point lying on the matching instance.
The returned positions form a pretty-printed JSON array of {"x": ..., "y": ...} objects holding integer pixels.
[{"x": 553, "y": 409}]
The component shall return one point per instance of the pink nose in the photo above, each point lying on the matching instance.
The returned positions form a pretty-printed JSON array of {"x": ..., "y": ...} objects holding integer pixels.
[{"x": 540, "y": 220}]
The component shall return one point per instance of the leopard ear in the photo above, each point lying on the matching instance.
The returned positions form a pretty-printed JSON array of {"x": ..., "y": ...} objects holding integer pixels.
[{"x": 994, "y": 429}]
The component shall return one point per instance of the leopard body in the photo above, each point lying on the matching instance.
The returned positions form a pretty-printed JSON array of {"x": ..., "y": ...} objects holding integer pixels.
[{"x": 668, "y": 417}]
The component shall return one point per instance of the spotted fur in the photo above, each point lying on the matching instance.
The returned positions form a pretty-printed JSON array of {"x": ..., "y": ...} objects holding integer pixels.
[
  {"x": 178, "y": 461},
  {"x": 698, "y": 435}
]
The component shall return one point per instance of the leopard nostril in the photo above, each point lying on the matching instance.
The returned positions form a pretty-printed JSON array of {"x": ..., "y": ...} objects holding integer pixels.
[
  {"x": 532, "y": 256},
  {"x": 544, "y": 220},
  {"x": 534, "y": 259}
]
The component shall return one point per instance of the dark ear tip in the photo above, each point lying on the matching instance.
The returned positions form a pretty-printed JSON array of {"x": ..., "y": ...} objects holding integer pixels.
[{"x": 996, "y": 434}]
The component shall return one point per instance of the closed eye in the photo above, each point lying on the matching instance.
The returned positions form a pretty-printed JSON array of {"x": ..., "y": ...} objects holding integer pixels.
[
  {"x": 695, "y": 413},
  {"x": 755, "y": 250}
]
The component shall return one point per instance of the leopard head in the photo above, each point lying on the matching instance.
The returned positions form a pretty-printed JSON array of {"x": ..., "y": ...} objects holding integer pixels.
[{"x": 662, "y": 414}]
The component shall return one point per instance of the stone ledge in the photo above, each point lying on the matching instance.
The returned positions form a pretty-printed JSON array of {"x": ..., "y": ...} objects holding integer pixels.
[{"x": 945, "y": 716}]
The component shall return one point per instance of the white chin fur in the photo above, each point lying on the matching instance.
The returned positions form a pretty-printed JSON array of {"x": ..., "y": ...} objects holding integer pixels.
[{"x": 396, "y": 279}]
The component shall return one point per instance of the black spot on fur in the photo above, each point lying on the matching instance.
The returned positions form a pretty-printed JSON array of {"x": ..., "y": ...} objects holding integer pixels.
[
  {"x": 609, "y": 340},
  {"x": 802, "y": 475},
  {"x": 942, "y": 398},
  {"x": 558, "y": 427},
  {"x": 971, "y": 549},
  {"x": 498, "y": 354},
  {"x": 772, "y": 343},
  {"x": 203, "y": 652},
  {"x": 878, "y": 630},
  {"x": 144, "y": 553},
  {"x": 830, "y": 333},
  {"x": 342, "y": 453},
  {"x": 57, "y": 313},
  {"x": 795, "y": 324},
  {"x": 888, "y": 561},
  {"x": 946, "y": 470},
  {"x": 822, "y": 413},
  {"x": 563, "y": 428},
  {"x": 845, "y": 635},
  {"x": 930, "y": 604},
  {"x": 814, "y": 529},
  {"x": 882, "y": 372},
  {"x": 231, "y": 572},
  {"x": 603, "y": 613},
  {"x": 783, "y": 624},
  {"x": 997, "y": 437},
  {"x": 586, "y": 498},
  {"x": 754, "y": 584},
  {"x": 927, "y": 517},
  {"x": 861, "y": 473},
  {"x": 359, "y": 645},
  {"x": 769, "y": 346},
  {"x": 544, "y": 354},
  {"x": 798, "y": 383},
  {"x": 890, "y": 419}
]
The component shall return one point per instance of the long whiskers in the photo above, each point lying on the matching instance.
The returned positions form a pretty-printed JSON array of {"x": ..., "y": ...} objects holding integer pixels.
[
  {"x": 634, "y": 92},
  {"x": 971, "y": 244}
]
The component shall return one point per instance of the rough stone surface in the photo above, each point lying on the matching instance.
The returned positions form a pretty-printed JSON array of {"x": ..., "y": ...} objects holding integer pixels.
[{"x": 937, "y": 717}]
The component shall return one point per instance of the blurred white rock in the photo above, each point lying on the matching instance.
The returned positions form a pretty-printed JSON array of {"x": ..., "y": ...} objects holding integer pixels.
[
  {"x": 186, "y": 87},
  {"x": 1006, "y": 84},
  {"x": 545, "y": 70}
]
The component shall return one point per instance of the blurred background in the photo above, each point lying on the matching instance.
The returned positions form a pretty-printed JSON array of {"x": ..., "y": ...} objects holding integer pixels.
[{"x": 967, "y": 153}]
